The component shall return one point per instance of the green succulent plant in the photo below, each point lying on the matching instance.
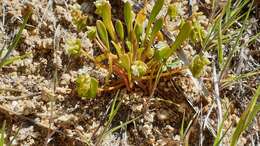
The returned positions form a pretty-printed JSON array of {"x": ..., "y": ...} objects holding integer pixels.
[
  {"x": 198, "y": 64},
  {"x": 87, "y": 87},
  {"x": 172, "y": 10},
  {"x": 78, "y": 18},
  {"x": 130, "y": 49},
  {"x": 73, "y": 47}
]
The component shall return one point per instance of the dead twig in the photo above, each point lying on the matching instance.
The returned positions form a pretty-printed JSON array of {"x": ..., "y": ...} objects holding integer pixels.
[
  {"x": 22, "y": 97},
  {"x": 3, "y": 17}
]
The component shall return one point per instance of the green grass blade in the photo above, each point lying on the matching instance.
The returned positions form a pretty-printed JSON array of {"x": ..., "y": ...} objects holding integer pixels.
[
  {"x": 225, "y": 133},
  {"x": 114, "y": 111},
  {"x": 10, "y": 60},
  {"x": 239, "y": 8},
  {"x": 227, "y": 9},
  {"x": 122, "y": 125},
  {"x": 113, "y": 106},
  {"x": 16, "y": 39},
  {"x": 234, "y": 47},
  {"x": 220, "y": 49},
  {"x": 246, "y": 118},
  {"x": 182, "y": 127},
  {"x": 233, "y": 79},
  {"x": 15, "y": 136},
  {"x": 234, "y": 16},
  {"x": 252, "y": 115},
  {"x": 2, "y": 137},
  {"x": 219, "y": 132}
]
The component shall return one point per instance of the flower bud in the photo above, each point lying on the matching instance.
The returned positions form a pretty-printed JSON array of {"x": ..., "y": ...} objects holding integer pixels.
[{"x": 139, "y": 68}]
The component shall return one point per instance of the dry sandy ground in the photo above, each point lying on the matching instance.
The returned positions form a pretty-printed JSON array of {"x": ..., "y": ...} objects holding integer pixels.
[{"x": 40, "y": 106}]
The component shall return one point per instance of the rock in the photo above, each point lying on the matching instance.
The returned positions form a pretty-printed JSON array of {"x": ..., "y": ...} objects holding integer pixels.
[{"x": 163, "y": 115}]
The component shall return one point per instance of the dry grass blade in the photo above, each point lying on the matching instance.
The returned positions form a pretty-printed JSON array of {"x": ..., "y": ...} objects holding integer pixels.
[
  {"x": 217, "y": 100},
  {"x": 234, "y": 78}
]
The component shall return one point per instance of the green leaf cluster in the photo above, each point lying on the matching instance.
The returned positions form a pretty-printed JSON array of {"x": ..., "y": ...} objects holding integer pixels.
[
  {"x": 73, "y": 47},
  {"x": 78, "y": 18},
  {"x": 172, "y": 10},
  {"x": 131, "y": 48},
  {"x": 87, "y": 87},
  {"x": 198, "y": 65}
]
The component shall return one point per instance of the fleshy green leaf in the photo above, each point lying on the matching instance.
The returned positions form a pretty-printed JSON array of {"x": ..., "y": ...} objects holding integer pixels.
[
  {"x": 159, "y": 36},
  {"x": 197, "y": 32},
  {"x": 93, "y": 87},
  {"x": 156, "y": 28},
  {"x": 92, "y": 32},
  {"x": 120, "y": 30},
  {"x": 139, "y": 23},
  {"x": 83, "y": 85},
  {"x": 155, "y": 11},
  {"x": 183, "y": 35},
  {"x": 129, "y": 45},
  {"x": 149, "y": 52},
  {"x": 140, "y": 17},
  {"x": 129, "y": 16},
  {"x": 125, "y": 62},
  {"x": 101, "y": 57},
  {"x": 138, "y": 31},
  {"x": 139, "y": 53},
  {"x": 104, "y": 10},
  {"x": 163, "y": 51},
  {"x": 102, "y": 33}
]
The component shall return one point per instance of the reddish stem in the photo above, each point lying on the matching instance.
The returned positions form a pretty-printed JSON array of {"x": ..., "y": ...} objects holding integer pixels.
[{"x": 122, "y": 75}]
